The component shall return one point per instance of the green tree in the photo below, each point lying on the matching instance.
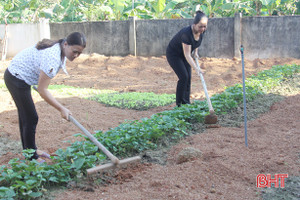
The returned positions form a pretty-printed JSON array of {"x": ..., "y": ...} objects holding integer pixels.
[
  {"x": 24, "y": 11},
  {"x": 20, "y": 11},
  {"x": 96, "y": 10},
  {"x": 229, "y": 8},
  {"x": 289, "y": 7}
]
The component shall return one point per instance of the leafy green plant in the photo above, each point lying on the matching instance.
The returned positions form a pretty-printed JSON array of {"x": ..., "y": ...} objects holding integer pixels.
[
  {"x": 135, "y": 100},
  {"x": 23, "y": 10},
  {"x": 131, "y": 100},
  {"x": 230, "y": 8}
]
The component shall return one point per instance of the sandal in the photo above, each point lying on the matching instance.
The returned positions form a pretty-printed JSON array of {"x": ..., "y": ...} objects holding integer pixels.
[
  {"x": 43, "y": 154},
  {"x": 40, "y": 161}
]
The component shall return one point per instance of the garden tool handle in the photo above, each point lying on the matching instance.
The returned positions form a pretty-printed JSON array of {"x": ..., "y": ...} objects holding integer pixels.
[
  {"x": 113, "y": 158},
  {"x": 211, "y": 110}
]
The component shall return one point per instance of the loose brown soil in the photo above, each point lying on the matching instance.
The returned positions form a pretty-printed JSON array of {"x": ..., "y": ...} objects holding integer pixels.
[{"x": 226, "y": 170}]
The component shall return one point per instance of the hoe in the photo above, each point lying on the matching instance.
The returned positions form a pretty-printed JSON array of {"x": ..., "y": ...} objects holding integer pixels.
[
  {"x": 115, "y": 161},
  {"x": 211, "y": 118}
]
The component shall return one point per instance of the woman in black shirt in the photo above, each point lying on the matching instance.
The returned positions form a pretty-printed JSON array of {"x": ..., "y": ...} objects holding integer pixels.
[{"x": 179, "y": 55}]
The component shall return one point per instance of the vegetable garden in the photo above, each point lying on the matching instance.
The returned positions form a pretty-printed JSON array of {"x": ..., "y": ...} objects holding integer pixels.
[{"x": 129, "y": 103}]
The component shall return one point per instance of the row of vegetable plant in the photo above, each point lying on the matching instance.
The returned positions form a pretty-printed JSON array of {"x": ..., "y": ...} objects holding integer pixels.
[
  {"x": 130, "y": 100},
  {"x": 135, "y": 100}
]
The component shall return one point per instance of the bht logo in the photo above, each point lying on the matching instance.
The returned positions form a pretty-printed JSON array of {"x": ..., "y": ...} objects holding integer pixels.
[{"x": 263, "y": 180}]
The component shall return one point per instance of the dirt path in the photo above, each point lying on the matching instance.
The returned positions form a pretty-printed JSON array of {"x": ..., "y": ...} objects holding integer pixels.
[{"x": 227, "y": 169}]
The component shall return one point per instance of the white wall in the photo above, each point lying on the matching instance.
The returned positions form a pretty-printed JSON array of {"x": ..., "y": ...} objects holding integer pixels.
[{"x": 21, "y": 36}]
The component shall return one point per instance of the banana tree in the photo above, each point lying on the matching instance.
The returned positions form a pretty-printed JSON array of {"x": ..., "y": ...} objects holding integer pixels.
[
  {"x": 158, "y": 8},
  {"x": 137, "y": 8},
  {"x": 211, "y": 8},
  {"x": 118, "y": 8},
  {"x": 289, "y": 7},
  {"x": 161, "y": 9},
  {"x": 182, "y": 8},
  {"x": 268, "y": 6},
  {"x": 96, "y": 10},
  {"x": 23, "y": 11},
  {"x": 68, "y": 10},
  {"x": 229, "y": 8},
  {"x": 11, "y": 12},
  {"x": 145, "y": 9},
  {"x": 167, "y": 9}
]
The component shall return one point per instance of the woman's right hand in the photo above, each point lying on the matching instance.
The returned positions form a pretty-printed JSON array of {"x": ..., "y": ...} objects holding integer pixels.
[{"x": 65, "y": 113}]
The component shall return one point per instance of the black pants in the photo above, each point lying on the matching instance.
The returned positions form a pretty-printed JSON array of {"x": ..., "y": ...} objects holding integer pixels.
[
  {"x": 183, "y": 71},
  {"x": 28, "y": 118}
]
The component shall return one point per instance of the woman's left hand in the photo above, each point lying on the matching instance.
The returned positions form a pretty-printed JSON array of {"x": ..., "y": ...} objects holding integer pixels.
[{"x": 195, "y": 55}]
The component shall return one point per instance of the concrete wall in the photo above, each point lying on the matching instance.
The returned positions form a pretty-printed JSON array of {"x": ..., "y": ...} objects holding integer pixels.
[
  {"x": 110, "y": 38},
  {"x": 153, "y": 36},
  {"x": 219, "y": 38},
  {"x": 262, "y": 37},
  {"x": 21, "y": 36},
  {"x": 271, "y": 37}
]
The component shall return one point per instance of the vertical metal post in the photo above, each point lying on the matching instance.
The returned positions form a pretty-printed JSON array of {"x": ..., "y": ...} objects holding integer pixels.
[
  {"x": 244, "y": 96},
  {"x": 134, "y": 36},
  {"x": 134, "y": 29}
]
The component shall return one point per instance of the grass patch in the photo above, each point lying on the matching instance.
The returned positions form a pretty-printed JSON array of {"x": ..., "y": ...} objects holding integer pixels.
[
  {"x": 289, "y": 192},
  {"x": 67, "y": 91}
]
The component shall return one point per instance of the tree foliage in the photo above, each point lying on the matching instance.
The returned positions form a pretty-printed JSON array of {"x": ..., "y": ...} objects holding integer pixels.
[{"x": 24, "y": 11}]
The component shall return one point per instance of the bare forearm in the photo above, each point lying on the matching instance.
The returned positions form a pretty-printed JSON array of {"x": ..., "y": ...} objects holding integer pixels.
[
  {"x": 189, "y": 58},
  {"x": 47, "y": 96},
  {"x": 44, "y": 82},
  {"x": 191, "y": 62}
]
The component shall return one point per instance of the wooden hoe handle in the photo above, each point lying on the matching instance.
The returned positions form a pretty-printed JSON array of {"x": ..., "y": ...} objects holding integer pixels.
[
  {"x": 113, "y": 158},
  {"x": 211, "y": 110}
]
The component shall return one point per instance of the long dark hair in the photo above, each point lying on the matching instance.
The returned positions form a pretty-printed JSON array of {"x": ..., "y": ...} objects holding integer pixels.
[
  {"x": 74, "y": 38},
  {"x": 199, "y": 16}
]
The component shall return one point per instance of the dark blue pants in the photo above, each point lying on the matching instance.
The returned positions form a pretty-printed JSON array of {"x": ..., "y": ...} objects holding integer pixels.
[
  {"x": 183, "y": 71},
  {"x": 28, "y": 118}
]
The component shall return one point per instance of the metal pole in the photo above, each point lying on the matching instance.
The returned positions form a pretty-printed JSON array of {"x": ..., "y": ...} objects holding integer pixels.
[
  {"x": 244, "y": 96},
  {"x": 134, "y": 29}
]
